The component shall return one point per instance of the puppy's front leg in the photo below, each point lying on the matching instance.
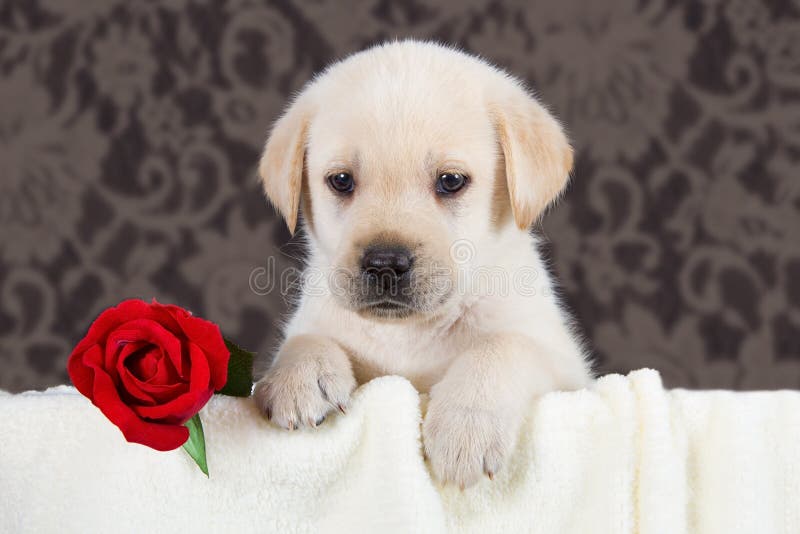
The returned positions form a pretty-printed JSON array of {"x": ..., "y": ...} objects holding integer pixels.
[
  {"x": 311, "y": 376},
  {"x": 476, "y": 411}
]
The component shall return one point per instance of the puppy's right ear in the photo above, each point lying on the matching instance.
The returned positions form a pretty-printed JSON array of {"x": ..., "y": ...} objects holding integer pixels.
[{"x": 283, "y": 162}]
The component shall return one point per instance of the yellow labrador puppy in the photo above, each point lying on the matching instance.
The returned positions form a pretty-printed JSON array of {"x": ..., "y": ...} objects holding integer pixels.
[{"x": 419, "y": 171}]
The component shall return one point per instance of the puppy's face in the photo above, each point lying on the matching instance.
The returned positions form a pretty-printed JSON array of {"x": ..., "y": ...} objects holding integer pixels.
[
  {"x": 390, "y": 189},
  {"x": 402, "y": 152}
]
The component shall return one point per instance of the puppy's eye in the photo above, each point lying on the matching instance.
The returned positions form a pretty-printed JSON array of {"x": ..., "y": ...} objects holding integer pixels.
[
  {"x": 450, "y": 182},
  {"x": 341, "y": 182}
]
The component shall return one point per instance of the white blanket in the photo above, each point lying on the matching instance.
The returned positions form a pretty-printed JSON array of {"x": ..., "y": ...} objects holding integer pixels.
[{"x": 625, "y": 456}]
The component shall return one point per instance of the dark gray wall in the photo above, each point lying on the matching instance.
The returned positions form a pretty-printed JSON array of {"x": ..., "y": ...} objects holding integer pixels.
[{"x": 129, "y": 133}]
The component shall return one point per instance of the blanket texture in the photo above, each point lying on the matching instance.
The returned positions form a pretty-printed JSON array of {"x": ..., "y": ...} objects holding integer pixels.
[{"x": 626, "y": 456}]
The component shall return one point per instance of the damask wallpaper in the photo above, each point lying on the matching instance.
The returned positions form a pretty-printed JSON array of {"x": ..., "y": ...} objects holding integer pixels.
[{"x": 130, "y": 131}]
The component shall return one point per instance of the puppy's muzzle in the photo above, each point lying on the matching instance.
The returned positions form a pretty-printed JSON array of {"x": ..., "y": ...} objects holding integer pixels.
[{"x": 386, "y": 272}]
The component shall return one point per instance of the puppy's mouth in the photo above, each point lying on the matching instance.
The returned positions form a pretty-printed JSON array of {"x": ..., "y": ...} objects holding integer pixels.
[{"x": 387, "y": 308}]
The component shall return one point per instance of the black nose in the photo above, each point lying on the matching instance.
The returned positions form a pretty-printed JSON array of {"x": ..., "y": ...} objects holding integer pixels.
[{"x": 392, "y": 260}]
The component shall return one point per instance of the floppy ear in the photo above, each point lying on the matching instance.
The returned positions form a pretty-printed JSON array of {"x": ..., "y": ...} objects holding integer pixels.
[
  {"x": 283, "y": 162},
  {"x": 538, "y": 157}
]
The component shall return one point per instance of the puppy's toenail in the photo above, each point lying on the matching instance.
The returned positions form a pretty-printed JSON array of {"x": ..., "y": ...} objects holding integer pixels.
[
  {"x": 319, "y": 421},
  {"x": 341, "y": 408}
]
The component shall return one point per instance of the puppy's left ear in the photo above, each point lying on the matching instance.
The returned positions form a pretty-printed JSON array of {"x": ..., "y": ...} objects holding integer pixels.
[
  {"x": 283, "y": 161},
  {"x": 538, "y": 157}
]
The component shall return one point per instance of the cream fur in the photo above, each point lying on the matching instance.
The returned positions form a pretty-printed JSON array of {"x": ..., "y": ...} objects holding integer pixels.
[{"x": 395, "y": 116}]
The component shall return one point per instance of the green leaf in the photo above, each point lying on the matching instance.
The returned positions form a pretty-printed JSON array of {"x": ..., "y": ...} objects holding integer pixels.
[
  {"x": 196, "y": 444},
  {"x": 240, "y": 372}
]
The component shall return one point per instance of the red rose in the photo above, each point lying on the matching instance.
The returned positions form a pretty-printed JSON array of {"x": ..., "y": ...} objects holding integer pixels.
[{"x": 150, "y": 368}]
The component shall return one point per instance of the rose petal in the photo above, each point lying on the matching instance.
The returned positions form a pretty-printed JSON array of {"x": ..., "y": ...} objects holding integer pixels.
[
  {"x": 156, "y": 394},
  {"x": 148, "y": 391},
  {"x": 184, "y": 407},
  {"x": 163, "y": 315},
  {"x": 176, "y": 411},
  {"x": 111, "y": 318},
  {"x": 166, "y": 393},
  {"x": 201, "y": 371},
  {"x": 144, "y": 364},
  {"x": 207, "y": 336},
  {"x": 152, "y": 332},
  {"x": 130, "y": 384},
  {"x": 162, "y": 386},
  {"x": 125, "y": 311},
  {"x": 162, "y": 437},
  {"x": 151, "y": 368},
  {"x": 120, "y": 351},
  {"x": 171, "y": 309},
  {"x": 165, "y": 374},
  {"x": 81, "y": 375}
]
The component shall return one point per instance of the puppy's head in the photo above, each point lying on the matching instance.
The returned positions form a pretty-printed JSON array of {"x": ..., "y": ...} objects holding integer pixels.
[{"x": 398, "y": 153}]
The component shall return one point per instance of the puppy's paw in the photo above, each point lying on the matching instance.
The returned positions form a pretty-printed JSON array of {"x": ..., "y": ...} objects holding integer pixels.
[
  {"x": 301, "y": 390},
  {"x": 464, "y": 444}
]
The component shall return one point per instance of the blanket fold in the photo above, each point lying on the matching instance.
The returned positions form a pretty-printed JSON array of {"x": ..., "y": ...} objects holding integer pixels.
[{"x": 626, "y": 456}]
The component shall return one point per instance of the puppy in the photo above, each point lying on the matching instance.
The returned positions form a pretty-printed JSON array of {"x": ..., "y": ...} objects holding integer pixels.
[{"x": 419, "y": 171}]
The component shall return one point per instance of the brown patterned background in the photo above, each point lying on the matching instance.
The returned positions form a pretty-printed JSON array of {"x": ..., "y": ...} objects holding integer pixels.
[{"x": 129, "y": 133}]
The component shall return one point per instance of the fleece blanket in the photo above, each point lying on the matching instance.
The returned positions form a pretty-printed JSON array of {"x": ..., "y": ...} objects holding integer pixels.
[{"x": 626, "y": 456}]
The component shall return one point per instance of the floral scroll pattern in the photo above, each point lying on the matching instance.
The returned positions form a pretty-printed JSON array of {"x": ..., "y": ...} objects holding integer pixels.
[{"x": 130, "y": 131}]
